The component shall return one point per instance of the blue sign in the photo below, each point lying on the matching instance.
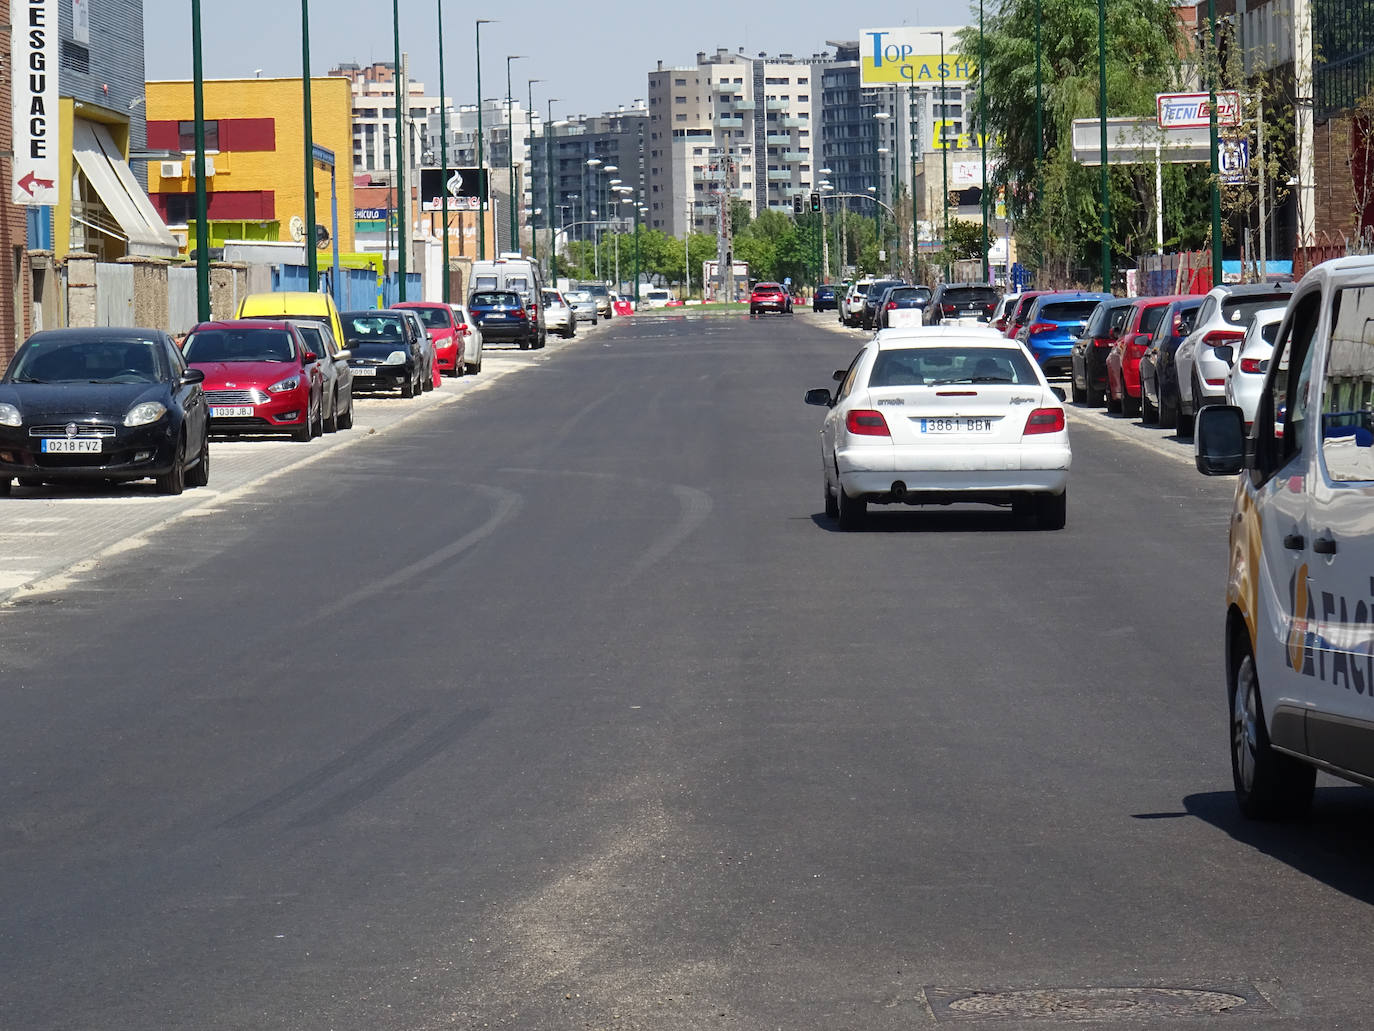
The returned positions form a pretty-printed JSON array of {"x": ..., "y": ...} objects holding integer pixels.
[{"x": 370, "y": 214}]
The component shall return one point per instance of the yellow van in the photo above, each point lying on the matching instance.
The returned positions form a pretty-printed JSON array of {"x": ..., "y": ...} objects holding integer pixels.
[{"x": 294, "y": 305}]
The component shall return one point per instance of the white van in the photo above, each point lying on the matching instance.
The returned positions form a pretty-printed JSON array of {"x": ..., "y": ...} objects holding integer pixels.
[
  {"x": 511, "y": 271},
  {"x": 1299, "y": 597}
]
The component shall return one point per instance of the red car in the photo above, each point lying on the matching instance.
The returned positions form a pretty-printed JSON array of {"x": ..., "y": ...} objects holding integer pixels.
[
  {"x": 1021, "y": 313},
  {"x": 769, "y": 297},
  {"x": 442, "y": 327},
  {"x": 259, "y": 377},
  {"x": 1123, "y": 360}
]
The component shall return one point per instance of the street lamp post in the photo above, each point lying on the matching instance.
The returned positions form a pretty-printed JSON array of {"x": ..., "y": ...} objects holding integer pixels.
[
  {"x": 481, "y": 164},
  {"x": 510, "y": 155},
  {"x": 402, "y": 101},
  {"x": 529, "y": 164},
  {"x": 312, "y": 257},
  {"x": 983, "y": 129},
  {"x": 1215, "y": 157},
  {"x": 202, "y": 221},
  {"x": 1102, "y": 122},
  {"x": 548, "y": 182},
  {"x": 1039, "y": 151},
  {"x": 880, "y": 150},
  {"x": 944, "y": 153},
  {"x": 607, "y": 206},
  {"x": 443, "y": 150},
  {"x": 588, "y": 199}
]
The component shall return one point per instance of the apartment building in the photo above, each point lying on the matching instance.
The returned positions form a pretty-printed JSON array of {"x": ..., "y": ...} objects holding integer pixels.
[
  {"x": 730, "y": 127},
  {"x": 585, "y": 154},
  {"x": 374, "y": 117}
]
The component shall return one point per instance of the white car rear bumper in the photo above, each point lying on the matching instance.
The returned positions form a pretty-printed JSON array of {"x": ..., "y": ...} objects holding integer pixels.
[{"x": 1027, "y": 468}]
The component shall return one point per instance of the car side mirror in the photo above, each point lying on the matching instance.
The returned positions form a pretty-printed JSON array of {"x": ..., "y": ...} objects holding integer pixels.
[
  {"x": 1219, "y": 440},
  {"x": 820, "y": 396},
  {"x": 192, "y": 376},
  {"x": 343, "y": 356},
  {"x": 839, "y": 374},
  {"x": 1226, "y": 353},
  {"x": 311, "y": 356}
]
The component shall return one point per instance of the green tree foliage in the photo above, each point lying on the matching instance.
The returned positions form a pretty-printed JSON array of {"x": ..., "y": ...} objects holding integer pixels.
[{"x": 1062, "y": 227}]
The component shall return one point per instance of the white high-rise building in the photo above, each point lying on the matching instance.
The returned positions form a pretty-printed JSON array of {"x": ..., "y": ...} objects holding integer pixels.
[{"x": 374, "y": 117}]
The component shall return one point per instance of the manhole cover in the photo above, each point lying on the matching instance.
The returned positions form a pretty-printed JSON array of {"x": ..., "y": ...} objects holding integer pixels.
[{"x": 1096, "y": 1004}]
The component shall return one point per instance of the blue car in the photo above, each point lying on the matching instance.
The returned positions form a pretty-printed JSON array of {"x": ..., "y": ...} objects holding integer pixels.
[
  {"x": 1055, "y": 321},
  {"x": 501, "y": 315}
]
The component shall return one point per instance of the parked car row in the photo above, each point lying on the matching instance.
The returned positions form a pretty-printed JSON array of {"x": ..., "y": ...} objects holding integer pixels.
[{"x": 115, "y": 405}]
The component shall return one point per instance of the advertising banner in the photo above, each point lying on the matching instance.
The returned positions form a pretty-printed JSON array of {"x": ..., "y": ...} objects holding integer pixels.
[
  {"x": 1193, "y": 110},
  {"x": 33, "y": 58},
  {"x": 910, "y": 56},
  {"x": 1233, "y": 159},
  {"x": 465, "y": 189}
]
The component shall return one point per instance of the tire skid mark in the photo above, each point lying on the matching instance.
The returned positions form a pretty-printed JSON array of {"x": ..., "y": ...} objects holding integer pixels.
[
  {"x": 348, "y": 758},
  {"x": 508, "y": 503}
]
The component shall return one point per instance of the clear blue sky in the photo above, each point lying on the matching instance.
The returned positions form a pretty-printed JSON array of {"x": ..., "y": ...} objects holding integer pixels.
[{"x": 593, "y": 63}]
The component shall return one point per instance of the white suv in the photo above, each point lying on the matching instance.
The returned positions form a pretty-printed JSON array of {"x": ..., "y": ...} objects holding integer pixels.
[
  {"x": 852, "y": 307},
  {"x": 1299, "y": 614},
  {"x": 1223, "y": 318}
]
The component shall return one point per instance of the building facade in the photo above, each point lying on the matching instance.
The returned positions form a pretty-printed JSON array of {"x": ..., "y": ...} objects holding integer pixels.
[
  {"x": 255, "y": 174},
  {"x": 374, "y": 117},
  {"x": 580, "y": 151}
]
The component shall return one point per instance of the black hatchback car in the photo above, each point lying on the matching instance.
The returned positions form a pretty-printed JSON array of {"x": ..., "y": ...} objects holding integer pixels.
[
  {"x": 103, "y": 404},
  {"x": 961, "y": 301},
  {"x": 824, "y": 299},
  {"x": 869, "y": 316}
]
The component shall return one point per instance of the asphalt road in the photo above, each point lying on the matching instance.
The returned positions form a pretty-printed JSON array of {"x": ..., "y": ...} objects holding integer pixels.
[{"x": 566, "y": 708}]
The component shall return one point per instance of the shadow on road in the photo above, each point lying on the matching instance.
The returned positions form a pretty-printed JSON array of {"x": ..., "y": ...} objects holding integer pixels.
[
  {"x": 1333, "y": 845},
  {"x": 957, "y": 520}
]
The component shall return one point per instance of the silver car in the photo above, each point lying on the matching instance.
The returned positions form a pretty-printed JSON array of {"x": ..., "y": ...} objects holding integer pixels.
[
  {"x": 558, "y": 315},
  {"x": 583, "y": 305},
  {"x": 471, "y": 335},
  {"x": 430, "y": 356},
  {"x": 337, "y": 400}
]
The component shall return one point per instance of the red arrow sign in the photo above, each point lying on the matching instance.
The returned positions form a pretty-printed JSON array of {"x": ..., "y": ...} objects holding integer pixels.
[{"x": 29, "y": 182}]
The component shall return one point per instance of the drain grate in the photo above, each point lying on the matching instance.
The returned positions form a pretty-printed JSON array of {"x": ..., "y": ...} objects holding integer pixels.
[{"x": 1066, "y": 1005}]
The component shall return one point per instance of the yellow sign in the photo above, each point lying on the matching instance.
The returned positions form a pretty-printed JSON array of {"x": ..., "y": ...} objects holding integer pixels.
[{"x": 900, "y": 56}]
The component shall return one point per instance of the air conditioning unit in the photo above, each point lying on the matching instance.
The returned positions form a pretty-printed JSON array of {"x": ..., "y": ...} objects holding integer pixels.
[
  {"x": 171, "y": 170},
  {"x": 209, "y": 166}
]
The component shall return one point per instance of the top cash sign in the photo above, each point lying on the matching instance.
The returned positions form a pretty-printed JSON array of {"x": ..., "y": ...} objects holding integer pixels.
[
  {"x": 33, "y": 58},
  {"x": 903, "y": 56}
]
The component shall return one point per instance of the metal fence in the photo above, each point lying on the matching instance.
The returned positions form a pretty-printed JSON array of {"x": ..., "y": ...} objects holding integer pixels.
[
  {"x": 182, "y": 310},
  {"x": 114, "y": 294}
]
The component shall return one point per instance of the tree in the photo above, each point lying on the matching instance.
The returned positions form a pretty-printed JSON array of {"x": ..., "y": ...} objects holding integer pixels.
[{"x": 1061, "y": 229}]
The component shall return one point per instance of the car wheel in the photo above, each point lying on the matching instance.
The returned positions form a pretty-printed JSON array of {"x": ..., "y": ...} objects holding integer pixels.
[
  {"x": 173, "y": 482},
  {"x": 1093, "y": 398},
  {"x": 305, "y": 431},
  {"x": 332, "y": 423},
  {"x": 427, "y": 381},
  {"x": 1149, "y": 414},
  {"x": 568, "y": 331},
  {"x": 832, "y": 507},
  {"x": 1113, "y": 403},
  {"x": 5, "y": 486},
  {"x": 1052, "y": 510},
  {"x": 1078, "y": 394},
  {"x": 317, "y": 427},
  {"x": 1130, "y": 406},
  {"x": 852, "y": 513},
  {"x": 199, "y": 474},
  {"x": 408, "y": 387},
  {"x": 1269, "y": 785},
  {"x": 346, "y": 420}
]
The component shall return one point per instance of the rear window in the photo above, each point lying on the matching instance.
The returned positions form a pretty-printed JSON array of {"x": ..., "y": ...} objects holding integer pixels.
[
  {"x": 240, "y": 345},
  {"x": 861, "y": 288},
  {"x": 971, "y": 295},
  {"x": 933, "y": 366},
  {"x": 1068, "y": 311},
  {"x": 496, "y": 299},
  {"x": 484, "y": 283},
  {"x": 519, "y": 283},
  {"x": 1240, "y": 311},
  {"x": 768, "y": 288},
  {"x": 909, "y": 294}
]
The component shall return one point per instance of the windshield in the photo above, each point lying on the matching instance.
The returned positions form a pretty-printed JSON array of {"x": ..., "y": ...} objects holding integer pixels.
[
  {"x": 496, "y": 299},
  {"x": 434, "y": 318},
  {"x": 972, "y": 295},
  {"x": 936, "y": 366},
  {"x": 657, "y": 295},
  {"x": 1240, "y": 311},
  {"x": 577, "y": 295},
  {"x": 53, "y": 359},
  {"x": 240, "y": 344},
  {"x": 373, "y": 328},
  {"x": 1068, "y": 311},
  {"x": 597, "y": 291}
]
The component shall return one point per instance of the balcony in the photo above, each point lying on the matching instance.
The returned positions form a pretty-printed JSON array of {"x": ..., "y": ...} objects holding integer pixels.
[
  {"x": 794, "y": 156},
  {"x": 776, "y": 104},
  {"x": 729, "y": 121},
  {"x": 780, "y": 175},
  {"x": 779, "y": 139},
  {"x": 794, "y": 123},
  {"x": 744, "y": 105}
]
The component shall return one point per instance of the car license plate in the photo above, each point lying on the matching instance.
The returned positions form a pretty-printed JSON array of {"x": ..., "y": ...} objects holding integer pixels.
[
  {"x": 365, "y": 370},
  {"x": 239, "y": 412},
  {"x": 70, "y": 446},
  {"x": 963, "y": 424},
  {"x": 496, "y": 315}
]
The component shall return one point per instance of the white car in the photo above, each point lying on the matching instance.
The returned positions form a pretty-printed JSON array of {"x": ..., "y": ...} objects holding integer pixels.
[
  {"x": 939, "y": 415},
  {"x": 852, "y": 307},
  {"x": 559, "y": 315},
  {"x": 470, "y": 333},
  {"x": 1245, "y": 381},
  {"x": 656, "y": 298},
  {"x": 1221, "y": 321}
]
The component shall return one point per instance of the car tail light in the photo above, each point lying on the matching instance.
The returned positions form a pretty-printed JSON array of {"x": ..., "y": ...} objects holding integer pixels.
[
  {"x": 1041, "y": 327},
  {"x": 1251, "y": 365},
  {"x": 948, "y": 309},
  {"x": 1222, "y": 336},
  {"x": 1103, "y": 341},
  {"x": 865, "y": 422},
  {"x": 891, "y": 305},
  {"x": 520, "y": 313},
  {"x": 1045, "y": 420}
]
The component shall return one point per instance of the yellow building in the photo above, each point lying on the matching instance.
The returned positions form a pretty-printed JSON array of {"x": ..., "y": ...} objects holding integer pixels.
[{"x": 255, "y": 174}]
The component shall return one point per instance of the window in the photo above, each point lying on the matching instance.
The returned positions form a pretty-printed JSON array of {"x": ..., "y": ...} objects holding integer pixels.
[
  {"x": 1284, "y": 405},
  {"x": 679, "y": 100},
  {"x": 1348, "y": 398},
  {"x": 680, "y": 118},
  {"x": 679, "y": 82},
  {"x": 186, "y": 135}
]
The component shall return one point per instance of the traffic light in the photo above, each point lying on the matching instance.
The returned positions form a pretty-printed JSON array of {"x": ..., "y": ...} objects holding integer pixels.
[
  {"x": 797, "y": 204},
  {"x": 815, "y": 203}
]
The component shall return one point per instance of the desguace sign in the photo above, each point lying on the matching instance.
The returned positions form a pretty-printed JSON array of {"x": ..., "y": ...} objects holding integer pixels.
[{"x": 34, "y": 45}]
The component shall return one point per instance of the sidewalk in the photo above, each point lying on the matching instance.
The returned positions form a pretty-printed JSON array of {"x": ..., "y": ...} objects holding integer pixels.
[{"x": 51, "y": 534}]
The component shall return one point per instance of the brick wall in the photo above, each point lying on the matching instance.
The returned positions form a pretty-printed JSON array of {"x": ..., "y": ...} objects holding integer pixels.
[
  {"x": 1335, "y": 192},
  {"x": 14, "y": 304}
]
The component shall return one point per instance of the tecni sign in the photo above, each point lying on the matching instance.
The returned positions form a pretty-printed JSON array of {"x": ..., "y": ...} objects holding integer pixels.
[
  {"x": 33, "y": 58},
  {"x": 904, "y": 56},
  {"x": 1194, "y": 110}
]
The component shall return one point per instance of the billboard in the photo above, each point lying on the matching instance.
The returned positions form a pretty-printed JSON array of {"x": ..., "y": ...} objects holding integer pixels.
[
  {"x": 1193, "y": 110},
  {"x": 910, "y": 56},
  {"x": 465, "y": 188},
  {"x": 33, "y": 55}
]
